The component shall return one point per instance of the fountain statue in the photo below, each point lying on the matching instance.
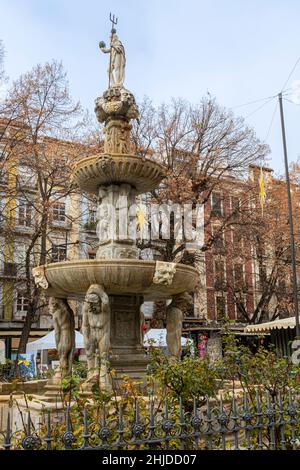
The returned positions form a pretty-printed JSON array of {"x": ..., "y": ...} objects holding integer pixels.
[
  {"x": 114, "y": 285},
  {"x": 64, "y": 327}
]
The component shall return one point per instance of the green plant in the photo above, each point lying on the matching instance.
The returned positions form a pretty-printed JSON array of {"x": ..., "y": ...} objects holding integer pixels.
[{"x": 187, "y": 379}]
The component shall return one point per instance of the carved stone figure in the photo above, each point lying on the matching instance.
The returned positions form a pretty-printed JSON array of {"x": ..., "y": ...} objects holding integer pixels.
[
  {"x": 96, "y": 332},
  {"x": 174, "y": 323},
  {"x": 117, "y": 62},
  {"x": 116, "y": 103},
  {"x": 117, "y": 137},
  {"x": 164, "y": 273},
  {"x": 103, "y": 227},
  {"x": 39, "y": 277},
  {"x": 64, "y": 326}
]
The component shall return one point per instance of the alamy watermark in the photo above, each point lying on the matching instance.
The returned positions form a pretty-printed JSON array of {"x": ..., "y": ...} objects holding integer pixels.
[{"x": 120, "y": 220}]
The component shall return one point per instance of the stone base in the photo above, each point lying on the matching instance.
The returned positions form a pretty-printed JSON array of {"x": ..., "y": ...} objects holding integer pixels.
[{"x": 132, "y": 366}]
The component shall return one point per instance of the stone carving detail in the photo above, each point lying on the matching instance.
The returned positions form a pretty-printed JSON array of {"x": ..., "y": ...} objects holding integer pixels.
[
  {"x": 174, "y": 323},
  {"x": 104, "y": 161},
  {"x": 164, "y": 273},
  {"x": 64, "y": 327},
  {"x": 116, "y": 103},
  {"x": 39, "y": 277},
  {"x": 96, "y": 332},
  {"x": 124, "y": 325},
  {"x": 117, "y": 137}
]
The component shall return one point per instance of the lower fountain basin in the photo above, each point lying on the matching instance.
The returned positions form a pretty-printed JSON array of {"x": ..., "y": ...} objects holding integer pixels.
[{"x": 71, "y": 279}]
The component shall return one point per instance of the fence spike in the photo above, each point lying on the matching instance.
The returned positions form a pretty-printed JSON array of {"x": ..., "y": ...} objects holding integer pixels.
[
  {"x": 166, "y": 409},
  {"x": 121, "y": 415},
  {"x": 7, "y": 439},
  {"x": 86, "y": 434},
  {"x": 68, "y": 423},
  {"x": 49, "y": 431},
  {"x": 257, "y": 399},
  {"x": 152, "y": 419},
  {"x": 28, "y": 425},
  {"x": 221, "y": 403},
  {"x": 137, "y": 415},
  {"x": 195, "y": 407},
  {"x": 86, "y": 419},
  {"x": 103, "y": 414},
  {"x": 181, "y": 410}
]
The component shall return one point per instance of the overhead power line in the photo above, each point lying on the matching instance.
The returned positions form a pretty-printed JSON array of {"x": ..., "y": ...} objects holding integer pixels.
[{"x": 290, "y": 74}]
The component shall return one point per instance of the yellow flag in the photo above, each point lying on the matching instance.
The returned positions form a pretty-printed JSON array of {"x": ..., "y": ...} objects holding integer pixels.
[
  {"x": 141, "y": 216},
  {"x": 262, "y": 189}
]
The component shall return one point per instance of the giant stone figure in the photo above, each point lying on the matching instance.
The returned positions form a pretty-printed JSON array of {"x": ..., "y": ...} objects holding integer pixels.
[
  {"x": 64, "y": 327},
  {"x": 96, "y": 332}
]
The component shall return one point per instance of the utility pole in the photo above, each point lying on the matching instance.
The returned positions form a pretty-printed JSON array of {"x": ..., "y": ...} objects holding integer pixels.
[{"x": 292, "y": 237}]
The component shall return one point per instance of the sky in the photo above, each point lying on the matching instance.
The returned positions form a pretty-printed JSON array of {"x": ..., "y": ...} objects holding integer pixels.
[{"x": 238, "y": 50}]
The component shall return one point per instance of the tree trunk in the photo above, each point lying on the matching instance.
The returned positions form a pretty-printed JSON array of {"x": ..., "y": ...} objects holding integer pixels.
[{"x": 26, "y": 329}]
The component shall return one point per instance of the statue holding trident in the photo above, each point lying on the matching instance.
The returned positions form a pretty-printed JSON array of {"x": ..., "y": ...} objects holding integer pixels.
[{"x": 117, "y": 60}]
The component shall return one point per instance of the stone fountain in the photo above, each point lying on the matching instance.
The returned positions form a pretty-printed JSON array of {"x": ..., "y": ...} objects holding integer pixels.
[{"x": 115, "y": 284}]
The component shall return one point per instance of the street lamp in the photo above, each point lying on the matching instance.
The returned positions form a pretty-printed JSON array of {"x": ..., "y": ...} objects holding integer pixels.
[{"x": 292, "y": 237}]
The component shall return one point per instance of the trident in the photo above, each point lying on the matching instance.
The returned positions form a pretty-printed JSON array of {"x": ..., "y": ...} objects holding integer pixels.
[{"x": 113, "y": 20}]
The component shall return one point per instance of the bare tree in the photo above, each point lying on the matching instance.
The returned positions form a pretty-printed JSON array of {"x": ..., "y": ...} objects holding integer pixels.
[
  {"x": 44, "y": 145},
  {"x": 201, "y": 145}
]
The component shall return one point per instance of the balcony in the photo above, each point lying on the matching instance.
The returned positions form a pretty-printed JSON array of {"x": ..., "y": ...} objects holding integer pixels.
[
  {"x": 90, "y": 226},
  {"x": 65, "y": 224}
]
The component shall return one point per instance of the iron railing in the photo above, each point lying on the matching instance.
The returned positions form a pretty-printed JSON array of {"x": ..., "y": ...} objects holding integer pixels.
[{"x": 260, "y": 423}]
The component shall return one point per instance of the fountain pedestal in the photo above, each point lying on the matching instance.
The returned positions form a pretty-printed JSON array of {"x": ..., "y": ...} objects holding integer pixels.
[{"x": 127, "y": 351}]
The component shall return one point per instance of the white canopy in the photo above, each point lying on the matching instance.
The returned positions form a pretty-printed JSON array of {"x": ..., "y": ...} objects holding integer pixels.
[
  {"x": 48, "y": 342},
  {"x": 159, "y": 335},
  {"x": 272, "y": 325}
]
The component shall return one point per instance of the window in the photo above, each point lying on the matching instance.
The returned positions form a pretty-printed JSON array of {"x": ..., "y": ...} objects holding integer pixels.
[
  {"x": 22, "y": 302},
  {"x": 220, "y": 308},
  {"x": 241, "y": 307},
  {"x": 235, "y": 207},
  {"x": 58, "y": 253},
  {"x": 10, "y": 269},
  {"x": 59, "y": 212},
  {"x": 3, "y": 175},
  {"x": 20, "y": 257},
  {"x": 26, "y": 177},
  {"x": 219, "y": 275},
  {"x": 91, "y": 222},
  {"x": 218, "y": 237},
  {"x": 238, "y": 275},
  {"x": 217, "y": 209},
  {"x": 262, "y": 277},
  {"x": 2, "y": 208},
  {"x": 237, "y": 243},
  {"x": 24, "y": 214}
]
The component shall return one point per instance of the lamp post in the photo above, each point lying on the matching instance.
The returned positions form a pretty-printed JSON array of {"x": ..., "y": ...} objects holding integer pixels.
[{"x": 292, "y": 237}]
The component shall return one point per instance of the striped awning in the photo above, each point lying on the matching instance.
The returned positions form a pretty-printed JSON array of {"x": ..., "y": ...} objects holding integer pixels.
[{"x": 272, "y": 325}]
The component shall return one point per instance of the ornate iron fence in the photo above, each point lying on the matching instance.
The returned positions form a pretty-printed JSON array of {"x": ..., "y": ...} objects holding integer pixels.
[{"x": 239, "y": 423}]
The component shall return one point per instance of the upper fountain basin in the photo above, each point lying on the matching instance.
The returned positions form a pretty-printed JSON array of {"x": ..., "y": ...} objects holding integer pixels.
[{"x": 104, "y": 169}]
